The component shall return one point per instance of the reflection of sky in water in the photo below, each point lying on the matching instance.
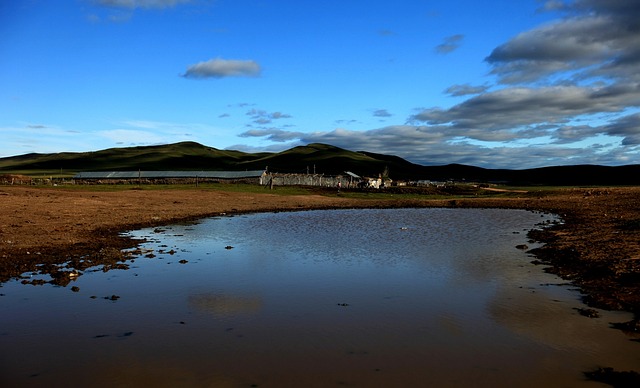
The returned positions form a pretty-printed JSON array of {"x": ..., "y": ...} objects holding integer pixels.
[
  {"x": 223, "y": 305},
  {"x": 439, "y": 295}
]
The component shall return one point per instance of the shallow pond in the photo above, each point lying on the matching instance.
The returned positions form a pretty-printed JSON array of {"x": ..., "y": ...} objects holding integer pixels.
[{"x": 395, "y": 297}]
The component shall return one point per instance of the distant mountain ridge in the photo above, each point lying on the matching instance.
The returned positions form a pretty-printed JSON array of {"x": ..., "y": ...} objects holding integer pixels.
[{"x": 313, "y": 158}]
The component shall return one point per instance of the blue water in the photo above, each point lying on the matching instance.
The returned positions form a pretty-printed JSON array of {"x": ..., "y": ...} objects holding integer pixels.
[{"x": 395, "y": 297}]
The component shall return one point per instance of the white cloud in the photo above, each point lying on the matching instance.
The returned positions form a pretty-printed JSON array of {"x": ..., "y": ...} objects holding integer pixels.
[
  {"x": 450, "y": 44},
  {"x": 571, "y": 87},
  {"x": 526, "y": 106},
  {"x": 262, "y": 117},
  {"x": 628, "y": 127},
  {"x": 464, "y": 90},
  {"x": 381, "y": 113},
  {"x": 437, "y": 146},
  {"x": 595, "y": 39},
  {"x": 275, "y": 135},
  {"x": 222, "y": 68}
]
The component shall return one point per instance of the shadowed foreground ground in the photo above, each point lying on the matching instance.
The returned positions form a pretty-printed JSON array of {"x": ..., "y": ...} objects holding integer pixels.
[{"x": 61, "y": 232}]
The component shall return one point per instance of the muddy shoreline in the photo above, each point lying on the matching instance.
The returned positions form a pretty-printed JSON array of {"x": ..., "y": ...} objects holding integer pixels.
[{"x": 58, "y": 232}]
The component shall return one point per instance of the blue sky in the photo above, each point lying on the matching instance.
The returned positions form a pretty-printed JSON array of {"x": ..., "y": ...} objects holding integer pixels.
[{"x": 496, "y": 84}]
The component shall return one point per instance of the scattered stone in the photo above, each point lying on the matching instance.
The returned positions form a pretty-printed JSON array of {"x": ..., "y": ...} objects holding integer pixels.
[
  {"x": 75, "y": 288},
  {"x": 633, "y": 326},
  {"x": 615, "y": 378},
  {"x": 112, "y": 297},
  {"x": 522, "y": 247},
  {"x": 35, "y": 282},
  {"x": 343, "y": 304},
  {"x": 183, "y": 261},
  {"x": 228, "y": 247},
  {"x": 589, "y": 313}
]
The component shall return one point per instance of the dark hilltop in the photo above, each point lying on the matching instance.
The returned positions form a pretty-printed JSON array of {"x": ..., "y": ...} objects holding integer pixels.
[{"x": 313, "y": 158}]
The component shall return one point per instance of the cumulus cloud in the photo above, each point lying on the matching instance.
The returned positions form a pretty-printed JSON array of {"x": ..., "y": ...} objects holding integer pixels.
[
  {"x": 381, "y": 113},
  {"x": 345, "y": 121},
  {"x": 429, "y": 145},
  {"x": 465, "y": 90},
  {"x": 596, "y": 38},
  {"x": 263, "y": 117},
  {"x": 275, "y": 135},
  {"x": 628, "y": 127},
  {"x": 222, "y": 68},
  {"x": 450, "y": 44},
  {"x": 569, "y": 134},
  {"x": 522, "y": 106},
  {"x": 567, "y": 92}
]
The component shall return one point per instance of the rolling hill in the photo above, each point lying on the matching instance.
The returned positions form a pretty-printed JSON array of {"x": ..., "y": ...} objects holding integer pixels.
[{"x": 312, "y": 158}]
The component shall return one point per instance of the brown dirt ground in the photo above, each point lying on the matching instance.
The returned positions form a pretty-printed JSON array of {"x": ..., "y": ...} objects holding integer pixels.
[{"x": 56, "y": 230}]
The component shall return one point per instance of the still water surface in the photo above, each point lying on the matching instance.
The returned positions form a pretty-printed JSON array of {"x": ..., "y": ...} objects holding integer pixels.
[{"x": 395, "y": 297}]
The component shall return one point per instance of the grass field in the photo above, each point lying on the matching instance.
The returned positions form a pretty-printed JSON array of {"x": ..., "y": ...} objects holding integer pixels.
[{"x": 455, "y": 191}]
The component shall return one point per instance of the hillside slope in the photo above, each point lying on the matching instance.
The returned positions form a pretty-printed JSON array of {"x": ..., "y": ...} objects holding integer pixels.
[{"x": 313, "y": 158}]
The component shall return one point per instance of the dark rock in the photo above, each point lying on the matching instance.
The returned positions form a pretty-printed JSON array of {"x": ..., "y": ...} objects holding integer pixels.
[
  {"x": 615, "y": 378},
  {"x": 589, "y": 313},
  {"x": 633, "y": 326}
]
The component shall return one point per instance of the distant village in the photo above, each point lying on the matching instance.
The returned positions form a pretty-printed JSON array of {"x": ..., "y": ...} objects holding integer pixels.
[{"x": 347, "y": 180}]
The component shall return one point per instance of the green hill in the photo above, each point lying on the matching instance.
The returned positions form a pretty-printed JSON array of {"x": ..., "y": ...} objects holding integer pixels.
[
  {"x": 191, "y": 156},
  {"x": 179, "y": 156},
  {"x": 312, "y": 158}
]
